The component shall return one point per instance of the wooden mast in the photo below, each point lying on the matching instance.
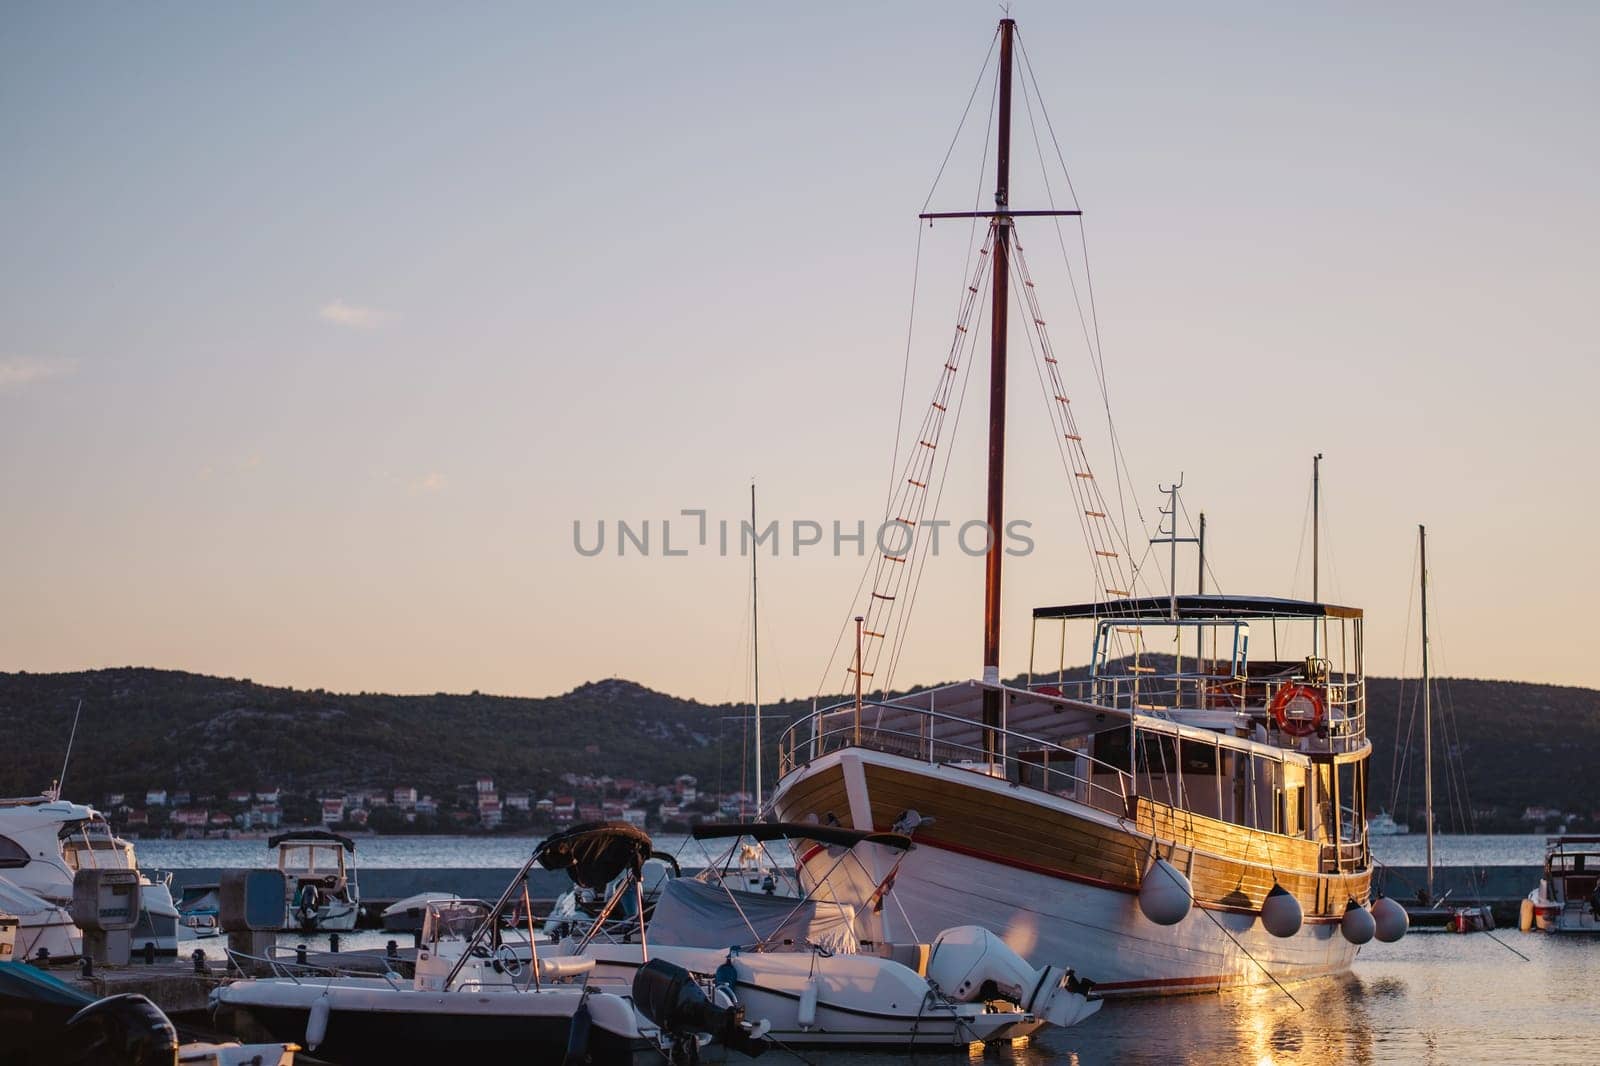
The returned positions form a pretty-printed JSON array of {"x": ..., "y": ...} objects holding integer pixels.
[{"x": 997, "y": 396}]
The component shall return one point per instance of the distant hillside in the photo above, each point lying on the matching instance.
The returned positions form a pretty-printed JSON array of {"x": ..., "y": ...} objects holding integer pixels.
[
  {"x": 1519, "y": 745},
  {"x": 146, "y": 728}
]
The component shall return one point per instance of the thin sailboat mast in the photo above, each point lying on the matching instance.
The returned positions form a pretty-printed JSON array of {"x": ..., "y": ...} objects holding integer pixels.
[
  {"x": 755, "y": 651},
  {"x": 1427, "y": 709},
  {"x": 1000, "y": 286}
]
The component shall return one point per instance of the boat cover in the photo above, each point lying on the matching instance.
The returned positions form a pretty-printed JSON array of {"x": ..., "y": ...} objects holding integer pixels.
[
  {"x": 313, "y": 836},
  {"x": 19, "y": 981},
  {"x": 593, "y": 853},
  {"x": 693, "y": 914}
]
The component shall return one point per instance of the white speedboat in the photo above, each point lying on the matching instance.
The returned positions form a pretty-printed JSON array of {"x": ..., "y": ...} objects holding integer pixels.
[
  {"x": 798, "y": 964},
  {"x": 35, "y": 879},
  {"x": 319, "y": 876},
  {"x": 1568, "y": 897},
  {"x": 480, "y": 994}
]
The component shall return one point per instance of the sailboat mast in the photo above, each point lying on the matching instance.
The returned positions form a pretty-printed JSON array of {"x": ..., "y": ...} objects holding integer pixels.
[
  {"x": 755, "y": 651},
  {"x": 997, "y": 393},
  {"x": 1427, "y": 709},
  {"x": 1316, "y": 527}
]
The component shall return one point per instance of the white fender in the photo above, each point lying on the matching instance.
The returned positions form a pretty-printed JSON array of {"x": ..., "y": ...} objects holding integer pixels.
[
  {"x": 1390, "y": 919},
  {"x": 1164, "y": 894},
  {"x": 317, "y": 1021},
  {"x": 806, "y": 1014}
]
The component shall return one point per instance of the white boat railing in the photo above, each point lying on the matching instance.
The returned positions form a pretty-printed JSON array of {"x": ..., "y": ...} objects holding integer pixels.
[
  {"x": 1023, "y": 759},
  {"x": 1157, "y": 761},
  {"x": 1344, "y": 724}
]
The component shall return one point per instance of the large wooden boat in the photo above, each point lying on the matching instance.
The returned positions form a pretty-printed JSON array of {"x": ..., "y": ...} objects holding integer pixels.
[{"x": 1063, "y": 810}]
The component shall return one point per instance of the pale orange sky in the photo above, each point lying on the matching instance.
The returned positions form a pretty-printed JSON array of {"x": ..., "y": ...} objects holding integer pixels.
[{"x": 320, "y": 327}]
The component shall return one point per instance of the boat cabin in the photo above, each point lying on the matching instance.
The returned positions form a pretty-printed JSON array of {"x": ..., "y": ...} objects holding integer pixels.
[
  {"x": 1247, "y": 710},
  {"x": 1572, "y": 868},
  {"x": 319, "y": 876}
]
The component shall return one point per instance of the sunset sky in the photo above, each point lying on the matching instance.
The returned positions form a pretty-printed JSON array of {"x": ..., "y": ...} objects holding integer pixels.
[{"x": 321, "y": 325}]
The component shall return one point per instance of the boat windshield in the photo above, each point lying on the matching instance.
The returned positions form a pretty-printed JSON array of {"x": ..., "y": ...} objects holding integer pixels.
[
  {"x": 453, "y": 920},
  {"x": 311, "y": 858}
]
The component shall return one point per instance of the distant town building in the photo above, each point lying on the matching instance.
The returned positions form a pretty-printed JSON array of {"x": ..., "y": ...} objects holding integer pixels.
[
  {"x": 517, "y": 801},
  {"x": 114, "y": 799},
  {"x": 156, "y": 797},
  {"x": 404, "y": 797},
  {"x": 195, "y": 817},
  {"x": 268, "y": 796},
  {"x": 634, "y": 816},
  {"x": 485, "y": 784},
  {"x": 261, "y": 816},
  {"x": 332, "y": 810},
  {"x": 239, "y": 797}
]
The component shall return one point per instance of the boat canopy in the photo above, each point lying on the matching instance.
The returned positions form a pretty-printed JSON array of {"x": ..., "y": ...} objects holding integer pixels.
[
  {"x": 1200, "y": 607},
  {"x": 312, "y": 836},
  {"x": 594, "y": 853},
  {"x": 824, "y": 834}
]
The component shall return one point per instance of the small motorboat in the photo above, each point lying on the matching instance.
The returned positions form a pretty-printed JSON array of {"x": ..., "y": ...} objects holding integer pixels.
[
  {"x": 798, "y": 964},
  {"x": 319, "y": 877},
  {"x": 482, "y": 992},
  {"x": 1567, "y": 899}
]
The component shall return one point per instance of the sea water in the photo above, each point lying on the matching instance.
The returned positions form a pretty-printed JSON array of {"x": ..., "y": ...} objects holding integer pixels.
[{"x": 1435, "y": 997}]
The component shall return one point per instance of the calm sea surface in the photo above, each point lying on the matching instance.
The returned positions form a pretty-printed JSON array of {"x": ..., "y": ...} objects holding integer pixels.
[
  {"x": 400, "y": 852},
  {"x": 1432, "y": 998}
]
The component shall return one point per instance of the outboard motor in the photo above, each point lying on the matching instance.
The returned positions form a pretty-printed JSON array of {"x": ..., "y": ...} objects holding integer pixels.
[
  {"x": 969, "y": 964},
  {"x": 125, "y": 1030},
  {"x": 670, "y": 996}
]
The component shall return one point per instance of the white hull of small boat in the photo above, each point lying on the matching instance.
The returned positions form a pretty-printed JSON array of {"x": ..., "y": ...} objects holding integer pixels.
[
  {"x": 816, "y": 1000},
  {"x": 355, "y": 1021},
  {"x": 42, "y": 926}
]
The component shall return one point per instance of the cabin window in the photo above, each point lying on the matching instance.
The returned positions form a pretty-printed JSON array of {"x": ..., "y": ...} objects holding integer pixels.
[
  {"x": 1352, "y": 802},
  {"x": 13, "y": 856},
  {"x": 1199, "y": 758},
  {"x": 1111, "y": 748},
  {"x": 1157, "y": 754}
]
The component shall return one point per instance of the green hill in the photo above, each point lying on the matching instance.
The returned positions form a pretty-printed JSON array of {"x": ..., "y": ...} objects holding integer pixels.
[{"x": 1514, "y": 745}]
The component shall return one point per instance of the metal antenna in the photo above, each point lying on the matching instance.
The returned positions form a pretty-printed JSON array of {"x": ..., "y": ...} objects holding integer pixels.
[
  {"x": 1170, "y": 536},
  {"x": 68, "y": 757}
]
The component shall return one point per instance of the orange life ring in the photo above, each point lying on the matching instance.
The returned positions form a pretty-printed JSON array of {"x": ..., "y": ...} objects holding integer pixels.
[{"x": 1298, "y": 725}]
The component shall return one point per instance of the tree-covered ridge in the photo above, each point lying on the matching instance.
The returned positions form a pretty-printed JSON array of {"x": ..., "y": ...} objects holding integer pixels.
[{"x": 1517, "y": 745}]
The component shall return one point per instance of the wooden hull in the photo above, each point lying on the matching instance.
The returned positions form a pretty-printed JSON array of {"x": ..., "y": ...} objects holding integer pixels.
[{"x": 1059, "y": 880}]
